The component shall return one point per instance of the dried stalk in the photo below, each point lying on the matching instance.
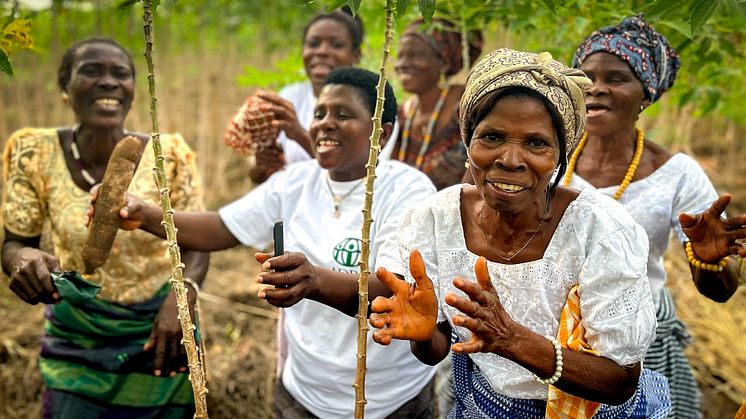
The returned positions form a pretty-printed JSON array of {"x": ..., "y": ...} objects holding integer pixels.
[
  {"x": 375, "y": 149},
  {"x": 196, "y": 361}
]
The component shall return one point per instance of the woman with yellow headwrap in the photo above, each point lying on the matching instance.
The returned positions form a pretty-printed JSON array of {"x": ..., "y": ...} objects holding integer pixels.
[
  {"x": 539, "y": 291},
  {"x": 631, "y": 66}
]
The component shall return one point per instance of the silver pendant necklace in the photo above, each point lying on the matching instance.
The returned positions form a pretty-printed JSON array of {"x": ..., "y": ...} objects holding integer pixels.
[
  {"x": 509, "y": 258},
  {"x": 337, "y": 201}
]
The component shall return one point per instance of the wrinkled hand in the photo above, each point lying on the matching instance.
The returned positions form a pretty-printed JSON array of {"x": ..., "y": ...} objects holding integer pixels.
[
  {"x": 131, "y": 215},
  {"x": 285, "y": 117},
  {"x": 712, "y": 237},
  {"x": 292, "y": 275},
  {"x": 267, "y": 161},
  {"x": 409, "y": 314},
  {"x": 30, "y": 276},
  {"x": 492, "y": 328},
  {"x": 169, "y": 353}
]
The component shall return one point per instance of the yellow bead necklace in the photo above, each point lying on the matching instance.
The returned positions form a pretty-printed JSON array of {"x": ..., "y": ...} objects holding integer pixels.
[{"x": 639, "y": 146}]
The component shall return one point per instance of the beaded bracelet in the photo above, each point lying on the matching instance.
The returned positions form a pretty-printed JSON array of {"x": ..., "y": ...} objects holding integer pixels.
[
  {"x": 712, "y": 267},
  {"x": 558, "y": 362}
]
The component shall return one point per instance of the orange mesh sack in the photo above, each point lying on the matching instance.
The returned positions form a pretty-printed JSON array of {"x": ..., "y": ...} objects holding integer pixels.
[{"x": 251, "y": 128}]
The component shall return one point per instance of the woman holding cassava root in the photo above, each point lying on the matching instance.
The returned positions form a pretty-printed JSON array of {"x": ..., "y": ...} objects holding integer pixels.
[
  {"x": 126, "y": 339},
  {"x": 320, "y": 202}
]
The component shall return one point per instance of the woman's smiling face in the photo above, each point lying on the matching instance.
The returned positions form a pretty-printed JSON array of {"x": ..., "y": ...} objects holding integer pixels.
[
  {"x": 341, "y": 131},
  {"x": 328, "y": 45},
  {"x": 513, "y": 152},
  {"x": 613, "y": 102},
  {"x": 101, "y": 86}
]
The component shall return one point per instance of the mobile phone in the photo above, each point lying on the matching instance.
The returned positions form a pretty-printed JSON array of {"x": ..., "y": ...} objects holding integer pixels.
[{"x": 277, "y": 233}]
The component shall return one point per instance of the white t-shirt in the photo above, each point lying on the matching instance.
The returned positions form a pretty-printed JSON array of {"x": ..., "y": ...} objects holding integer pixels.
[
  {"x": 656, "y": 201},
  {"x": 320, "y": 367},
  {"x": 301, "y": 96},
  {"x": 596, "y": 245}
]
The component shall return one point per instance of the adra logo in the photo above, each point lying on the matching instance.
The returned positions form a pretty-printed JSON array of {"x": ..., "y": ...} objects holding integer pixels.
[{"x": 347, "y": 252}]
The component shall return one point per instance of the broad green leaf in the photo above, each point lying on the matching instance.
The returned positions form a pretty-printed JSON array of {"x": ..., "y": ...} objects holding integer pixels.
[
  {"x": 659, "y": 7},
  {"x": 5, "y": 66},
  {"x": 688, "y": 97},
  {"x": 701, "y": 13},
  {"x": 736, "y": 7},
  {"x": 679, "y": 26},
  {"x": 401, "y": 7},
  {"x": 126, "y": 4},
  {"x": 711, "y": 102},
  {"x": 550, "y": 5},
  {"x": 354, "y": 5},
  {"x": 427, "y": 8},
  {"x": 331, "y": 5}
]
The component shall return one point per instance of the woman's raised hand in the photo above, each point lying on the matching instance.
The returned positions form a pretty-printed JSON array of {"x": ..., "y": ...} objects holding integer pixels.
[
  {"x": 132, "y": 214},
  {"x": 411, "y": 313},
  {"x": 285, "y": 118},
  {"x": 292, "y": 275},
  {"x": 492, "y": 328},
  {"x": 712, "y": 237}
]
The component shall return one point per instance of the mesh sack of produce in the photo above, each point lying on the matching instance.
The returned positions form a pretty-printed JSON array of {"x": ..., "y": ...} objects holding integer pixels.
[{"x": 251, "y": 128}]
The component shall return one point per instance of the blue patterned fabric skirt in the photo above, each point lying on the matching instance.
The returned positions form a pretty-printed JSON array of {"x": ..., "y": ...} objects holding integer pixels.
[{"x": 474, "y": 398}]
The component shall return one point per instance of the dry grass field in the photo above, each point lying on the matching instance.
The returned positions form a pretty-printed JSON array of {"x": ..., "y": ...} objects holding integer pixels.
[{"x": 197, "y": 94}]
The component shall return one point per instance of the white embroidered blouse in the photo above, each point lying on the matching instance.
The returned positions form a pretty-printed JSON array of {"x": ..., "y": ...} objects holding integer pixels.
[
  {"x": 596, "y": 244},
  {"x": 655, "y": 202}
]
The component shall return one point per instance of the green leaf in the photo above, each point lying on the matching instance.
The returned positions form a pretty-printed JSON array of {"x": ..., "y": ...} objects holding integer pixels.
[
  {"x": 711, "y": 102},
  {"x": 5, "y": 66},
  {"x": 427, "y": 8},
  {"x": 736, "y": 7},
  {"x": 701, "y": 13},
  {"x": 550, "y": 5},
  {"x": 679, "y": 26},
  {"x": 126, "y": 4},
  {"x": 687, "y": 97},
  {"x": 659, "y": 7},
  {"x": 401, "y": 7},
  {"x": 329, "y": 6},
  {"x": 354, "y": 5}
]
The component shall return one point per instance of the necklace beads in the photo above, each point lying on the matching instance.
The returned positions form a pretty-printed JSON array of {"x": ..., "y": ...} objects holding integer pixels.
[
  {"x": 631, "y": 169},
  {"x": 420, "y": 159}
]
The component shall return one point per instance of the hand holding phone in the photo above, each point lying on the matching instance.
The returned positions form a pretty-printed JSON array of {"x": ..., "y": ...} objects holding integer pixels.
[{"x": 278, "y": 234}]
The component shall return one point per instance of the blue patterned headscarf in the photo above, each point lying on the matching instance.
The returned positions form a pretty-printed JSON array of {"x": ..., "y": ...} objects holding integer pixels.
[{"x": 646, "y": 51}]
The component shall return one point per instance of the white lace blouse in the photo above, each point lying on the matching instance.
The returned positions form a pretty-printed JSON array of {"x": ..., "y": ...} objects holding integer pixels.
[
  {"x": 655, "y": 202},
  {"x": 596, "y": 244}
]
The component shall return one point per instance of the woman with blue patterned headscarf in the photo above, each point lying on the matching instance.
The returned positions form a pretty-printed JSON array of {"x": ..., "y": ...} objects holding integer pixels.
[{"x": 631, "y": 66}]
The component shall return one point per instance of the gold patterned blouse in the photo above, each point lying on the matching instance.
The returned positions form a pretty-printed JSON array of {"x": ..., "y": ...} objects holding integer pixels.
[{"x": 39, "y": 187}]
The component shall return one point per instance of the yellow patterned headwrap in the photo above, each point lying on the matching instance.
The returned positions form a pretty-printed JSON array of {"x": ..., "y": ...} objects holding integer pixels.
[{"x": 563, "y": 87}]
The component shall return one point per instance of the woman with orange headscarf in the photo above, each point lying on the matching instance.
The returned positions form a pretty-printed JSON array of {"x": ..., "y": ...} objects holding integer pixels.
[{"x": 430, "y": 140}]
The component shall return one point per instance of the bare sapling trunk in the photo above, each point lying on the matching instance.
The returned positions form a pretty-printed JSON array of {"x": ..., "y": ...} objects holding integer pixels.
[
  {"x": 196, "y": 360},
  {"x": 465, "y": 57},
  {"x": 375, "y": 148}
]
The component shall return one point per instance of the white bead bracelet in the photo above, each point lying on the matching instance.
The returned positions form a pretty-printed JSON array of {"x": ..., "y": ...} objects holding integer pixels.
[{"x": 558, "y": 362}]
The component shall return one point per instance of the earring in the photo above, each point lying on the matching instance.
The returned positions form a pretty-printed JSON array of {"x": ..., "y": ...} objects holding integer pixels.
[
  {"x": 548, "y": 200},
  {"x": 65, "y": 98},
  {"x": 642, "y": 108},
  {"x": 442, "y": 83}
]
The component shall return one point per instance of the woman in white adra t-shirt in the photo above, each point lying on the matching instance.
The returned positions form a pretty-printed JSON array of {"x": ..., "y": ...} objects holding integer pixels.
[{"x": 320, "y": 202}]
